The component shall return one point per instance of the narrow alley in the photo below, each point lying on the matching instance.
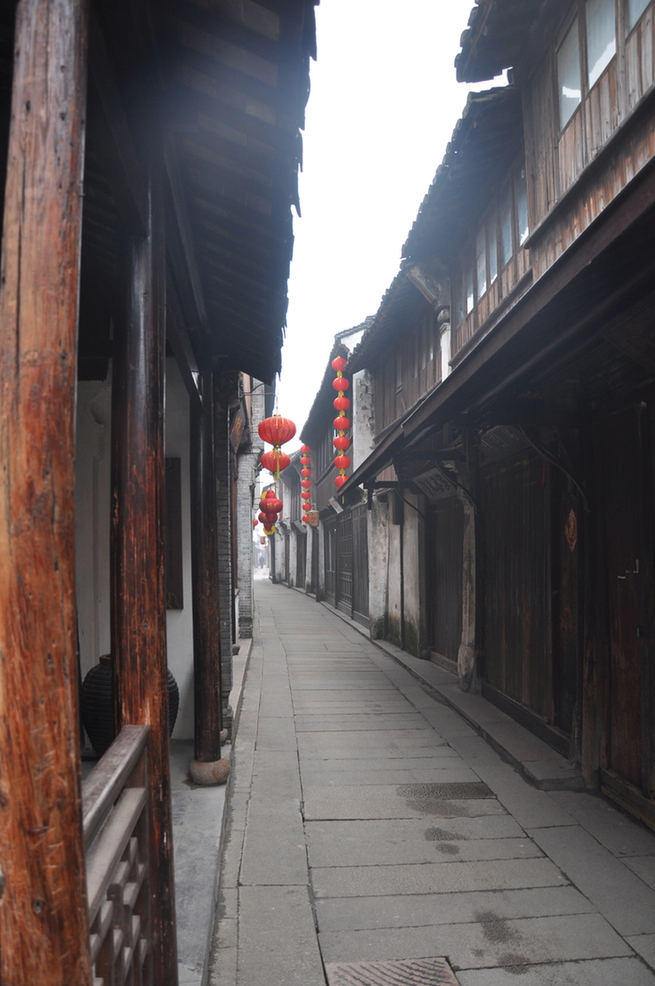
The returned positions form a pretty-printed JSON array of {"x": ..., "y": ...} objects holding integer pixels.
[{"x": 369, "y": 822}]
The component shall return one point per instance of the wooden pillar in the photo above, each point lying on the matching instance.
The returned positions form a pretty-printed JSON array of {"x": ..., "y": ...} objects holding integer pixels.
[
  {"x": 137, "y": 552},
  {"x": 43, "y": 913},
  {"x": 206, "y": 609}
]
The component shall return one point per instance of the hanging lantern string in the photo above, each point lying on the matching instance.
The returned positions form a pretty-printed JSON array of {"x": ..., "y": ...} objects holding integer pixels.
[
  {"x": 306, "y": 481},
  {"x": 341, "y": 423}
]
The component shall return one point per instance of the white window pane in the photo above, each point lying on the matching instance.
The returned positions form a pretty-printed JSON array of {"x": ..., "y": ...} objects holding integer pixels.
[
  {"x": 458, "y": 310},
  {"x": 469, "y": 290},
  {"x": 493, "y": 252},
  {"x": 522, "y": 207},
  {"x": 481, "y": 261},
  {"x": 635, "y": 10},
  {"x": 506, "y": 248},
  {"x": 568, "y": 76},
  {"x": 601, "y": 37}
]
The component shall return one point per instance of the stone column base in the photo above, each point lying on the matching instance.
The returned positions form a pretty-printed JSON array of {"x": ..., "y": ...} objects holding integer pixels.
[{"x": 206, "y": 774}]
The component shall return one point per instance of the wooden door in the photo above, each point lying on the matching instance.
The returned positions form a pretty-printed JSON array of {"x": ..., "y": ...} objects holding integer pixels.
[
  {"x": 344, "y": 582},
  {"x": 628, "y": 572},
  {"x": 360, "y": 564},
  {"x": 446, "y": 575}
]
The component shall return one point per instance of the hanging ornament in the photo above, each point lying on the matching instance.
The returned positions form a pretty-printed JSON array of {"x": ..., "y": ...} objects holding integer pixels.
[
  {"x": 306, "y": 483},
  {"x": 304, "y": 460},
  {"x": 276, "y": 430},
  {"x": 306, "y": 495},
  {"x": 275, "y": 461},
  {"x": 307, "y": 506},
  {"x": 305, "y": 473},
  {"x": 341, "y": 422}
]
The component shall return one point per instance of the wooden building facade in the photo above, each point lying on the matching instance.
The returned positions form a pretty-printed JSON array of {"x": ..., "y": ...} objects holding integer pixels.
[
  {"x": 150, "y": 164},
  {"x": 528, "y": 466}
]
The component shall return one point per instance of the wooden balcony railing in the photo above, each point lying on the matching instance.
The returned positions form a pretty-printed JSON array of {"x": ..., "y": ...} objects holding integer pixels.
[{"x": 117, "y": 873}]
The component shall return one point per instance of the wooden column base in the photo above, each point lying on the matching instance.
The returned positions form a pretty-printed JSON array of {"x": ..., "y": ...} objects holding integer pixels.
[{"x": 208, "y": 774}]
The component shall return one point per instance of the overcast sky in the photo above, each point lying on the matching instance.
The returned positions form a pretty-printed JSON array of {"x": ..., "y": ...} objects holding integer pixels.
[{"x": 383, "y": 105}]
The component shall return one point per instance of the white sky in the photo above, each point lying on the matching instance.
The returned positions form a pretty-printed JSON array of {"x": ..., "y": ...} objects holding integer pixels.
[{"x": 383, "y": 106}]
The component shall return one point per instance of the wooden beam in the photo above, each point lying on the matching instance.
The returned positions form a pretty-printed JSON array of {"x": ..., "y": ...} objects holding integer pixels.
[
  {"x": 178, "y": 339},
  {"x": 113, "y": 140},
  {"x": 43, "y": 917},
  {"x": 181, "y": 240},
  {"x": 137, "y": 546},
  {"x": 206, "y": 609}
]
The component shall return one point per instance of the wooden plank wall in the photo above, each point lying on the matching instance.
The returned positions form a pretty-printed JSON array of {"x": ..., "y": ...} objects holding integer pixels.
[{"x": 557, "y": 160}]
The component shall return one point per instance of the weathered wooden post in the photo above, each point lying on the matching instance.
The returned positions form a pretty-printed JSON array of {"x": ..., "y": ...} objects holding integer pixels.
[
  {"x": 43, "y": 912},
  {"x": 207, "y": 767},
  {"x": 138, "y": 587}
]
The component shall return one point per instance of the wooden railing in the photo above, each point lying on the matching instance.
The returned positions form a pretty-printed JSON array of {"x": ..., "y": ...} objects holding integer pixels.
[{"x": 117, "y": 876}]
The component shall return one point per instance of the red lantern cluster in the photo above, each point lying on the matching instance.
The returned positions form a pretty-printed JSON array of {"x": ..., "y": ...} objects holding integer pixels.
[
  {"x": 269, "y": 508},
  {"x": 341, "y": 422},
  {"x": 306, "y": 482},
  {"x": 276, "y": 430}
]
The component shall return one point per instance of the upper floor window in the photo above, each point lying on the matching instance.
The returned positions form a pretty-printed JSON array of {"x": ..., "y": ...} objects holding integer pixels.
[
  {"x": 601, "y": 37},
  {"x": 568, "y": 75},
  {"x": 635, "y": 10},
  {"x": 506, "y": 245},
  {"x": 522, "y": 207},
  {"x": 493, "y": 250},
  {"x": 481, "y": 261}
]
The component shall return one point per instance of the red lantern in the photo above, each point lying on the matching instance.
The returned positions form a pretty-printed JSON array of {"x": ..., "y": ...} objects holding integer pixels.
[
  {"x": 263, "y": 518},
  {"x": 305, "y": 472},
  {"x": 341, "y": 403},
  {"x": 306, "y": 495},
  {"x": 340, "y": 383},
  {"x": 305, "y": 460},
  {"x": 342, "y": 462},
  {"x": 275, "y": 460},
  {"x": 304, "y": 449},
  {"x": 340, "y": 480},
  {"x": 341, "y": 424},
  {"x": 277, "y": 430},
  {"x": 254, "y": 522},
  {"x": 306, "y": 483},
  {"x": 277, "y": 505},
  {"x": 341, "y": 442},
  {"x": 307, "y": 506},
  {"x": 338, "y": 363}
]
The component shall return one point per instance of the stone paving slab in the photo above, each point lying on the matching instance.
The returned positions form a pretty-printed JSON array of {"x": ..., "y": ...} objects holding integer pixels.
[
  {"x": 644, "y": 867},
  {"x": 349, "y": 843},
  {"x": 593, "y": 972},
  {"x": 494, "y": 942},
  {"x": 619, "y": 894},
  {"x": 644, "y": 945},
  {"x": 607, "y": 824},
  {"x": 408, "y": 743},
  {"x": 435, "y": 878},
  {"x": 323, "y": 773},
  {"x": 277, "y": 938},
  {"x": 385, "y": 801},
  {"x": 359, "y": 723},
  {"x": 365, "y": 913}
]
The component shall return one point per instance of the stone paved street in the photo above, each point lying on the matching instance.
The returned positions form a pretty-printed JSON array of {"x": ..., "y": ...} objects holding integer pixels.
[{"x": 367, "y": 820}]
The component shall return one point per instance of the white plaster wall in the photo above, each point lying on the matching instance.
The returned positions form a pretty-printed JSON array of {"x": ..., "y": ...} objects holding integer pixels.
[
  {"x": 363, "y": 427},
  {"x": 393, "y": 584},
  {"x": 92, "y": 519},
  {"x": 179, "y": 623},
  {"x": 378, "y": 558},
  {"x": 92, "y": 529}
]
